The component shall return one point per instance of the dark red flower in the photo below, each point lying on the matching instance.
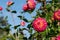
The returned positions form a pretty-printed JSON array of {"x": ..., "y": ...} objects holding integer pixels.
[
  {"x": 57, "y": 15},
  {"x": 25, "y": 7},
  {"x": 1, "y": 8}
]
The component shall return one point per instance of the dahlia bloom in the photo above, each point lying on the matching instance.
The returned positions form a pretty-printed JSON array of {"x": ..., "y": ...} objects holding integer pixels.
[
  {"x": 30, "y": 0},
  {"x": 39, "y": 24},
  {"x": 57, "y": 15},
  {"x": 9, "y": 3},
  {"x": 1, "y": 8},
  {"x": 22, "y": 23},
  {"x": 58, "y": 37},
  {"x": 31, "y": 4},
  {"x": 53, "y": 38},
  {"x": 25, "y": 7}
]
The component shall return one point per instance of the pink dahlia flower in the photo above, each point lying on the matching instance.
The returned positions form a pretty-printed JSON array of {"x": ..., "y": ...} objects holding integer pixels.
[
  {"x": 57, "y": 15},
  {"x": 31, "y": 4},
  {"x": 1, "y": 8},
  {"x": 9, "y": 3},
  {"x": 53, "y": 38},
  {"x": 58, "y": 37},
  {"x": 25, "y": 7},
  {"x": 39, "y": 24},
  {"x": 31, "y": 0}
]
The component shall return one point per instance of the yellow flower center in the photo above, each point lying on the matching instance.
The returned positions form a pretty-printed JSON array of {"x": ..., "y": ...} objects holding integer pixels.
[{"x": 40, "y": 24}]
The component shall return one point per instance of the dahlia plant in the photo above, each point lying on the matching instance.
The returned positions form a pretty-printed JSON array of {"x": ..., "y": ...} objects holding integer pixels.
[{"x": 45, "y": 25}]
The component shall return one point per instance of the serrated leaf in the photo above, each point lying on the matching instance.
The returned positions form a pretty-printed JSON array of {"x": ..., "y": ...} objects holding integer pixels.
[
  {"x": 30, "y": 31},
  {"x": 48, "y": 5},
  {"x": 23, "y": 29},
  {"x": 8, "y": 9},
  {"x": 29, "y": 26},
  {"x": 25, "y": 20},
  {"x": 16, "y": 26},
  {"x": 13, "y": 11},
  {"x": 20, "y": 17}
]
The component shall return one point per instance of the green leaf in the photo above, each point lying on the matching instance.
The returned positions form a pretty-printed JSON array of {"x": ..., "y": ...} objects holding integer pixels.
[
  {"x": 31, "y": 30},
  {"x": 20, "y": 17},
  {"x": 23, "y": 29},
  {"x": 25, "y": 19},
  {"x": 16, "y": 26},
  {"x": 48, "y": 5},
  {"x": 8, "y": 9},
  {"x": 13, "y": 11},
  {"x": 7, "y": 29},
  {"x": 30, "y": 11},
  {"x": 30, "y": 37},
  {"x": 55, "y": 1},
  {"x": 25, "y": 38},
  {"x": 29, "y": 26}
]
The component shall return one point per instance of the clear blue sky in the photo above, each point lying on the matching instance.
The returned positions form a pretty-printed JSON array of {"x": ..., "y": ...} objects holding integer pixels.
[{"x": 18, "y": 7}]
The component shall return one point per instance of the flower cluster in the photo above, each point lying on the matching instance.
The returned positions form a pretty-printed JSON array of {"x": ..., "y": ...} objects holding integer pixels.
[{"x": 31, "y": 4}]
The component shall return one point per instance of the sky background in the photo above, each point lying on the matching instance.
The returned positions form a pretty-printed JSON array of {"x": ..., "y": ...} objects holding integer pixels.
[{"x": 18, "y": 4}]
